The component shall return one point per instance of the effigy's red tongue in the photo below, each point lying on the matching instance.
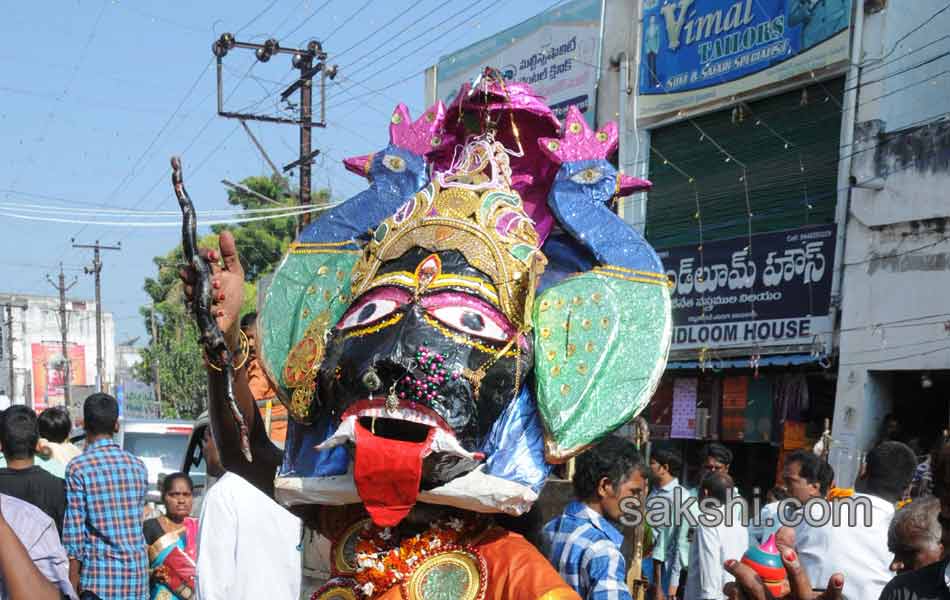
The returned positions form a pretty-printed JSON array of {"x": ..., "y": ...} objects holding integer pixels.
[{"x": 387, "y": 473}]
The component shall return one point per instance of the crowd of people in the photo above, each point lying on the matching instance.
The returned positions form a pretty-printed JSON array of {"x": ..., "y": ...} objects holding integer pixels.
[
  {"x": 71, "y": 523},
  {"x": 884, "y": 543}
]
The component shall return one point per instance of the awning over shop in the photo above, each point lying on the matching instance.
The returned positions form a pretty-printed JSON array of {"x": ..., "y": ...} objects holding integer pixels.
[{"x": 774, "y": 360}]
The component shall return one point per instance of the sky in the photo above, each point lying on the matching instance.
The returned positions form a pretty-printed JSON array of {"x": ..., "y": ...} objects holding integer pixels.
[{"x": 96, "y": 95}]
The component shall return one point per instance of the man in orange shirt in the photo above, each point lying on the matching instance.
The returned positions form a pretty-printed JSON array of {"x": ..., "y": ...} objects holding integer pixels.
[{"x": 272, "y": 411}]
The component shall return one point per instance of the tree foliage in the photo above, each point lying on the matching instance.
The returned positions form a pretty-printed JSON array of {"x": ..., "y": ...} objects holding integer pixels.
[{"x": 260, "y": 244}]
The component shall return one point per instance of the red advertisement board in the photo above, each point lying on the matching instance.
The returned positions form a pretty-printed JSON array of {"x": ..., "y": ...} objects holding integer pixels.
[{"x": 48, "y": 372}]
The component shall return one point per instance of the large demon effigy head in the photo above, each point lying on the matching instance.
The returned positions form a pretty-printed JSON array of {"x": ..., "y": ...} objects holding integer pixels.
[{"x": 447, "y": 338}]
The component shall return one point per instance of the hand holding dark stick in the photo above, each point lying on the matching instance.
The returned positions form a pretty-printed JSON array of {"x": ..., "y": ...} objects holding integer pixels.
[{"x": 203, "y": 299}]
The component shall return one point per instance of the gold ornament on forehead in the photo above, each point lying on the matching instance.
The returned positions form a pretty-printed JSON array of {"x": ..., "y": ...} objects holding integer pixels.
[
  {"x": 489, "y": 228},
  {"x": 471, "y": 209}
]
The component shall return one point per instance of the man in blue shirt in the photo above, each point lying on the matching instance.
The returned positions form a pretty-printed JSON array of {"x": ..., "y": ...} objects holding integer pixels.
[
  {"x": 583, "y": 544},
  {"x": 105, "y": 498}
]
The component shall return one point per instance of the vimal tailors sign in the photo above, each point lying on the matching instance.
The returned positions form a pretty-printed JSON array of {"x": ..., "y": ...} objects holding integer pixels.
[{"x": 699, "y": 51}]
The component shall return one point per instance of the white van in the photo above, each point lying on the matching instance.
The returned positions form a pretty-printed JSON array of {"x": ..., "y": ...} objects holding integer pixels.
[{"x": 160, "y": 444}]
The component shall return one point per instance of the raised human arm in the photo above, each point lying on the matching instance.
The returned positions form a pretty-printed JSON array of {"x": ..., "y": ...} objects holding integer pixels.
[{"x": 228, "y": 289}]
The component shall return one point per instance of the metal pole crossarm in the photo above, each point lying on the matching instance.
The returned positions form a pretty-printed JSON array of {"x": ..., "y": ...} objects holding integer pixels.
[
  {"x": 267, "y": 119},
  {"x": 272, "y": 46},
  {"x": 99, "y": 246},
  {"x": 302, "y": 160},
  {"x": 303, "y": 60},
  {"x": 305, "y": 77}
]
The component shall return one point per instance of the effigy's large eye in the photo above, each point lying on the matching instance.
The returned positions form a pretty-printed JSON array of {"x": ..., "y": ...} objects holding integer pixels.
[
  {"x": 470, "y": 315},
  {"x": 471, "y": 321},
  {"x": 394, "y": 163},
  {"x": 587, "y": 176},
  {"x": 372, "y": 307}
]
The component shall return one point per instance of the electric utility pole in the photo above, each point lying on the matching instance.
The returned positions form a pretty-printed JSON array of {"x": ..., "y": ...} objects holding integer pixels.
[
  {"x": 62, "y": 288},
  {"x": 8, "y": 327},
  {"x": 156, "y": 385},
  {"x": 96, "y": 270},
  {"x": 303, "y": 61}
]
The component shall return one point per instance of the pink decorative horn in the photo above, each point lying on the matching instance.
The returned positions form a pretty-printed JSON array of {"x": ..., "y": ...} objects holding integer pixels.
[
  {"x": 579, "y": 142},
  {"x": 422, "y": 136}
]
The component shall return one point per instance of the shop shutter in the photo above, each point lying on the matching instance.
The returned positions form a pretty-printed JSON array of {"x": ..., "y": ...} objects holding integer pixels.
[{"x": 788, "y": 187}]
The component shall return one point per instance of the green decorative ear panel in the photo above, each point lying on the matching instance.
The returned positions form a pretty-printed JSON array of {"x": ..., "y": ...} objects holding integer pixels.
[
  {"x": 310, "y": 291},
  {"x": 601, "y": 343}
]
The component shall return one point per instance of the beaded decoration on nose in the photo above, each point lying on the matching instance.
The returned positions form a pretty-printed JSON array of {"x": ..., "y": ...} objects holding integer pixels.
[{"x": 422, "y": 383}]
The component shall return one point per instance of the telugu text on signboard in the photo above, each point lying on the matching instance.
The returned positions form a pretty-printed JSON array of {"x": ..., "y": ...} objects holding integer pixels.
[
  {"x": 555, "y": 52},
  {"x": 696, "y": 51},
  {"x": 772, "y": 289}
]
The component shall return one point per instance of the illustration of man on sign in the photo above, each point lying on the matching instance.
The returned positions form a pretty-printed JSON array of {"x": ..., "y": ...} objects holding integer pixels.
[
  {"x": 652, "y": 47},
  {"x": 820, "y": 19}
]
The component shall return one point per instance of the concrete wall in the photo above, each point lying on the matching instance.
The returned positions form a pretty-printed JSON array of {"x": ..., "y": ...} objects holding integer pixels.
[
  {"x": 897, "y": 39},
  {"x": 39, "y": 323},
  {"x": 896, "y": 271}
]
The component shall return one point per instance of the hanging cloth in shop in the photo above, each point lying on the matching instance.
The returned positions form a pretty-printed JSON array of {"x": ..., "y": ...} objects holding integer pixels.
[
  {"x": 735, "y": 399},
  {"x": 791, "y": 397}
]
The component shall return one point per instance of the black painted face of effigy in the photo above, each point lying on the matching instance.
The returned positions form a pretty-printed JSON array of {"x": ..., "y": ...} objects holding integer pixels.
[{"x": 408, "y": 357}]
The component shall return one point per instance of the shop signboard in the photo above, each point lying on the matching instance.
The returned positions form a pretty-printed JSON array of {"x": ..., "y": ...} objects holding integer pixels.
[
  {"x": 768, "y": 290},
  {"x": 698, "y": 51},
  {"x": 555, "y": 51}
]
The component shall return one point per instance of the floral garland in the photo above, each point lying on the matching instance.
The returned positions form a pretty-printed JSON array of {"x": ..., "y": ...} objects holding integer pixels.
[
  {"x": 381, "y": 565},
  {"x": 837, "y": 492}
]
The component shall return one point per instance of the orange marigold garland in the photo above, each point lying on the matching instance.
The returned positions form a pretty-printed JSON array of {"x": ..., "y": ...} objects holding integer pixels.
[
  {"x": 834, "y": 493},
  {"x": 381, "y": 563}
]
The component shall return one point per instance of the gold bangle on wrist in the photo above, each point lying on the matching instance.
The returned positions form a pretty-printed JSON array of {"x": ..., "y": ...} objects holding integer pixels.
[{"x": 244, "y": 348}]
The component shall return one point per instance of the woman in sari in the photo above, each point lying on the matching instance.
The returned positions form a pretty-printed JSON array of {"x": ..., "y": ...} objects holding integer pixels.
[{"x": 172, "y": 541}]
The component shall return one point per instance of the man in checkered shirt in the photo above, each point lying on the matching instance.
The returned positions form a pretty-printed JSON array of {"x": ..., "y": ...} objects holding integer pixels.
[
  {"x": 105, "y": 499},
  {"x": 583, "y": 544}
]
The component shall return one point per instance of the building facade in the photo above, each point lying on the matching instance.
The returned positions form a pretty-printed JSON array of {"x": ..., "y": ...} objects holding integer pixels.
[
  {"x": 894, "y": 334},
  {"x": 33, "y": 367},
  {"x": 797, "y": 151}
]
